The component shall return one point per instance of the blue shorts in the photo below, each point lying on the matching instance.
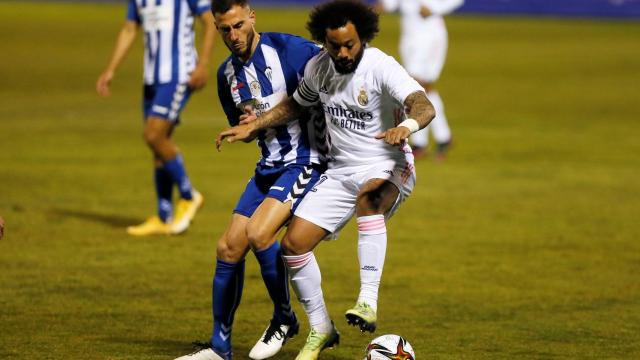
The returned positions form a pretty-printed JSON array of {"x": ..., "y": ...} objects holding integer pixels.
[
  {"x": 165, "y": 101},
  {"x": 289, "y": 183}
]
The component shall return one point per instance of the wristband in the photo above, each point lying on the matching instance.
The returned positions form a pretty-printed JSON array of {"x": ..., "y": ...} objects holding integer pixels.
[{"x": 410, "y": 124}]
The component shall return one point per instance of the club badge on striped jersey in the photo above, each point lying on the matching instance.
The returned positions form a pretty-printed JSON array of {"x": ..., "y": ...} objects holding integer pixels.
[
  {"x": 363, "y": 98},
  {"x": 255, "y": 89}
]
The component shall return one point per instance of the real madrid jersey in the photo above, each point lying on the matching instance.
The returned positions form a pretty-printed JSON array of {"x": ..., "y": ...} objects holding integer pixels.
[
  {"x": 169, "y": 49},
  {"x": 414, "y": 26},
  {"x": 268, "y": 77},
  {"x": 358, "y": 106}
]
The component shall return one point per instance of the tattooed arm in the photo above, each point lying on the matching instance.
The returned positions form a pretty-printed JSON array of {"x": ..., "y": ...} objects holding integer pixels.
[
  {"x": 420, "y": 109},
  {"x": 251, "y": 124}
]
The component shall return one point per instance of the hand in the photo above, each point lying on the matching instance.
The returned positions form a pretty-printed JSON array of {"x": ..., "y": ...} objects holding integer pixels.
[
  {"x": 249, "y": 115},
  {"x": 199, "y": 77},
  {"x": 425, "y": 12},
  {"x": 245, "y": 132},
  {"x": 395, "y": 136},
  {"x": 102, "y": 85}
]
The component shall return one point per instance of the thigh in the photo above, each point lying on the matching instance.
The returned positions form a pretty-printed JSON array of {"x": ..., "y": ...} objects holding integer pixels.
[
  {"x": 329, "y": 204},
  {"x": 302, "y": 236},
  {"x": 400, "y": 174},
  {"x": 233, "y": 245}
]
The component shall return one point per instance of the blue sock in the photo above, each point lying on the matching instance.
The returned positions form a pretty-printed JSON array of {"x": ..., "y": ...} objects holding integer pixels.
[
  {"x": 274, "y": 275},
  {"x": 164, "y": 193},
  {"x": 227, "y": 292},
  {"x": 175, "y": 168}
]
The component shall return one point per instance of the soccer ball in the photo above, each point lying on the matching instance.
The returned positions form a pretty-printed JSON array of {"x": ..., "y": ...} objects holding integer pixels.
[{"x": 389, "y": 347}]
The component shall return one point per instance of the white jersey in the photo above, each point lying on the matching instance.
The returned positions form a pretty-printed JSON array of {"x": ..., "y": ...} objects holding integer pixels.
[
  {"x": 423, "y": 44},
  {"x": 358, "y": 106},
  {"x": 169, "y": 51}
]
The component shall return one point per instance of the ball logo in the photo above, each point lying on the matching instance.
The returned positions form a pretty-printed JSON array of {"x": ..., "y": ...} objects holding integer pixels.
[{"x": 363, "y": 98}]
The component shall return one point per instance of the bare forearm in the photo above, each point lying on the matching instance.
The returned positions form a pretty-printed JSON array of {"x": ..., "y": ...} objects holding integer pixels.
[
  {"x": 419, "y": 108},
  {"x": 125, "y": 39},
  {"x": 208, "y": 36},
  {"x": 279, "y": 115}
]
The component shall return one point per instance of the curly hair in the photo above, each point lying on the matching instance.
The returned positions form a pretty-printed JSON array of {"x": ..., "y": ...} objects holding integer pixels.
[
  {"x": 222, "y": 6},
  {"x": 338, "y": 13}
]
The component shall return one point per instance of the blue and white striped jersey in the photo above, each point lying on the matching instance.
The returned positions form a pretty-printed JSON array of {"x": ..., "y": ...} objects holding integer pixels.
[
  {"x": 270, "y": 76},
  {"x": 169, "y": 49}
]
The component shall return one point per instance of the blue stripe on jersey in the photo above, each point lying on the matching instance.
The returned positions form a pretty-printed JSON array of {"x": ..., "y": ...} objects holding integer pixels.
[
  {"x": 144, "y": 3},
  {"x": 243, "y": 86},
  {"x": 304, "y": 146},
  {"x": 284, "y": 139},
  {"x": 175, "y": 51},
  {"x": 260, "y": 65},
  {"x": 156, "y": 59}
]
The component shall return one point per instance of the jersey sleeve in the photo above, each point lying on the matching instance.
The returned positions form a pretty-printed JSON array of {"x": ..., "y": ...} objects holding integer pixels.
[
  {"x": 199, "y": 6},
  {"x": 395, "y": 79},
  {"x": 299, "y": 51},
  {"x": 307, "y": 92},
  {"x": 224, "y": 94},
  {"x": 132, "y": 12}
]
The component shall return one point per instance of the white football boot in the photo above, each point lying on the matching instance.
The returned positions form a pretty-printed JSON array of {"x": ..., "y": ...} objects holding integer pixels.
[
  {"x": 272, "y": 340},
  {"x": 206, "y": 353}
]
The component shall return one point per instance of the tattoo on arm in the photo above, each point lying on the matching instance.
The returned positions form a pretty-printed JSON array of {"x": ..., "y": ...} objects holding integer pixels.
[
  {"x": 279, "y": 115},
  {"x": 419, "y": 108}
]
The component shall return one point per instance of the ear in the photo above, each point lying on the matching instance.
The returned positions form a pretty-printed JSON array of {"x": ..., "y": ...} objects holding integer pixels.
[{"x": 252, "y": 17}]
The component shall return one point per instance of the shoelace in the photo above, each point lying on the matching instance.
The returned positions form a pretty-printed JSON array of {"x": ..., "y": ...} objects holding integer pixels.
[
  {"x": 313, "y": 340},
  {"x": 273, "y": 331}
]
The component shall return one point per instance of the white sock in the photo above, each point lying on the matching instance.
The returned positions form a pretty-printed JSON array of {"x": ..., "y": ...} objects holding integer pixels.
[
  {"x": 372, "y": 247},
  {"x": 439, "y": 125},
  {"x": 306, "y": 282}
]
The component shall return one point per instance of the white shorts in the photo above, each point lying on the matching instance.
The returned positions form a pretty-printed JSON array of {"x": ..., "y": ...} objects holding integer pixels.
[
  {"x": 332, "y": 201},
  {"x": 423, "y": 55}
]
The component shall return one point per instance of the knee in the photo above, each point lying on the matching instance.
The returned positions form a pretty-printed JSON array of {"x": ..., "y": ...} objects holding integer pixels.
[
  {"x": 229, "y": 250},
  {"x": 153, "y": 138},
  {"x": 258, "y": 237},
  {"x": 290, "y": 246}
]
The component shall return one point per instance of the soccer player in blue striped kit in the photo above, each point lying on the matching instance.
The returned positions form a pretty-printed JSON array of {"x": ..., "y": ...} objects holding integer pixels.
[
  {"x": 172, "y": 70},
  {"x": 263, "y": 69}
]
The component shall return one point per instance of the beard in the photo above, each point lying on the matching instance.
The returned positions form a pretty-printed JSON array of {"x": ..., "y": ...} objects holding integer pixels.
[
  {"x": 348, "y": 66},
  {"x": 243, "y": 54}
]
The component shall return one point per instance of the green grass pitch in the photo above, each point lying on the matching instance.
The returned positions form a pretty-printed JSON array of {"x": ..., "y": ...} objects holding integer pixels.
[{"x": 522, "y": 245}]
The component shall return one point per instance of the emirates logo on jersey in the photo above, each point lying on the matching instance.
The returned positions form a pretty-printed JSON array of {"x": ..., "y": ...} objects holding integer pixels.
[{"x": 363, "y": 98}]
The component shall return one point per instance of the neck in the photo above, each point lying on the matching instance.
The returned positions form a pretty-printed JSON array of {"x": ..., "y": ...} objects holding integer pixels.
[{"x": 252, "y": 50}]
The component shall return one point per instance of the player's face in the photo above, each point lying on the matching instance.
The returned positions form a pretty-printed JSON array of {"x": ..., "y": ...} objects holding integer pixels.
[
  {"x": 236, "y": 28},
  {"x": 345, "y": 48}
]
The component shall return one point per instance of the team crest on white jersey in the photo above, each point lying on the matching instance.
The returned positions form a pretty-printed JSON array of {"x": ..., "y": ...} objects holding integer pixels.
[
  {"x": 363, "y": 98},
  {"x": 268, "y": 72},
  {"x": 255, "y": 89}
]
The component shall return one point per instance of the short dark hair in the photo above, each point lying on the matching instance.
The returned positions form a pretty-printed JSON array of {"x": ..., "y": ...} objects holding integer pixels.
[
  {"x": 222, "y": 6},
  {"x": 338, "y": 13}
]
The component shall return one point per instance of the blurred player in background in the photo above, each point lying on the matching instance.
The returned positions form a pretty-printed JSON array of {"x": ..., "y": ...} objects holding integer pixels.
[
  {"x": 363, "y": 93},
  {"x": 172, "y": 70},
  {"x": 423, "y": 48},
  {"x": 1, "y": 227},
  {"x": 263, "y": 70}
]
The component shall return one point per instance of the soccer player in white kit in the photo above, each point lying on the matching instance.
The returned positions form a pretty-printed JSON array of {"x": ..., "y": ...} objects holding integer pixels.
[
  {"x": 364, "y": 93},
  {"x": 423, "y": 48}
]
